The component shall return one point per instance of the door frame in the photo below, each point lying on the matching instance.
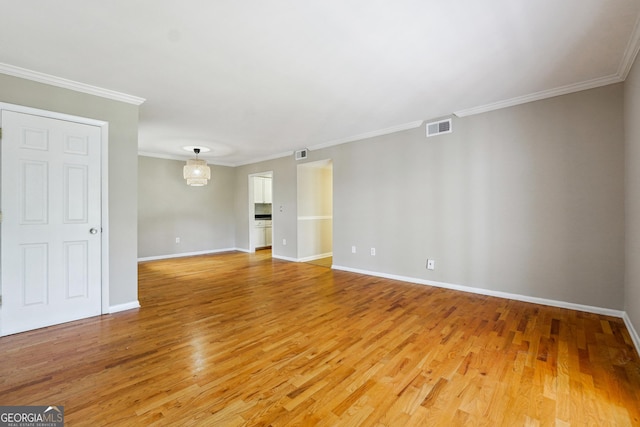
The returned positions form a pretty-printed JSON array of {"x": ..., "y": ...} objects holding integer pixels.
[
  {"x": 104, "y": 185},
  {"x": 317, "y": 164},
  {"x": 252, "y": 210}
]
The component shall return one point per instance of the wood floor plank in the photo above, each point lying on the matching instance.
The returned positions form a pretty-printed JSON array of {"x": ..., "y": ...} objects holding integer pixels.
[{"x": 243, "y": 339}]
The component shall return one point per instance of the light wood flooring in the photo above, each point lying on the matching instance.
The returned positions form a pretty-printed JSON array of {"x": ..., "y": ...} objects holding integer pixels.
[
  {"x": 240, "y": 339},
  {"x": 323, "y": 262}
]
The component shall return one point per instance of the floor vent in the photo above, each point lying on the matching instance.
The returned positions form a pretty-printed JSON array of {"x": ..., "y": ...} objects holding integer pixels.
[{"x": 438, "y": 128}]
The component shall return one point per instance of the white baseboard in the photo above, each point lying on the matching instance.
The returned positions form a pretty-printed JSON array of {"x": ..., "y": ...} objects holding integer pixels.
[
  {"x": 480, "y": 291},
  {"x": 499, "y": 294},
  {"x": 315, "y": 257},
  {"x": 632, "y": 331},
  {"x": 305, "y": 259},
  {"x": 517, "y": 297},
  {"x": 284, "y": 258},
  {"x": 123, "y": 307},
  {"x": 187, "y": 254}
]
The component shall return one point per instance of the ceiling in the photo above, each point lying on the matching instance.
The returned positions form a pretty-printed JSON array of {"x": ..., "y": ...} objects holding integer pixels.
[{"x": 257, "y": 79}]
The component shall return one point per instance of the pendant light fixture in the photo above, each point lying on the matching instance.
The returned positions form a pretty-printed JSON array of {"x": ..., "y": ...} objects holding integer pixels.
[{"x": 196, "y": 171}]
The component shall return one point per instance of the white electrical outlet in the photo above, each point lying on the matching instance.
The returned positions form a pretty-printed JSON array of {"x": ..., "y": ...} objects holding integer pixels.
[
  {"x": 373, "y": 251},
  {"x": 177, "y": 240},
  {"x": 431, "y": 264},
  {"x": 284, "y": 242},
  {"x": 353, "y": 249}
]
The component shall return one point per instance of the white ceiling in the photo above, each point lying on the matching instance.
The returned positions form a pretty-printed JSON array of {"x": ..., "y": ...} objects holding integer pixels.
[{"x": 256, "y": 79}]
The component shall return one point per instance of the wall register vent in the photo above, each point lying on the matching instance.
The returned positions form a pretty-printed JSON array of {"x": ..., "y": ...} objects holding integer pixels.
[
  {"x": 438, "y": 128},
  {"x": 301, "y": 154}
]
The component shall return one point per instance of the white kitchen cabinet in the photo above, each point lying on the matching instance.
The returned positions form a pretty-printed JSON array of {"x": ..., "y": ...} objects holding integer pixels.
[
  {"x": 267, "y": 234},
  {"x": 258, "y": 236},
  {"x": 262, "y": 233},
  {"x": 262, "y": 191},
  {"x": 258, "y": 189},
  {"x": 268, "y": 191}
]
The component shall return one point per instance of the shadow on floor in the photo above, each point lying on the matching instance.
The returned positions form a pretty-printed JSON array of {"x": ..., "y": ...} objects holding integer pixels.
[{"x": 322, "y": 262}]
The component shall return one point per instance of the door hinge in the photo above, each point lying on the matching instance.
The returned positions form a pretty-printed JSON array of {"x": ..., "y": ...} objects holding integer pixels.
[{"x": 0, "y": 133}]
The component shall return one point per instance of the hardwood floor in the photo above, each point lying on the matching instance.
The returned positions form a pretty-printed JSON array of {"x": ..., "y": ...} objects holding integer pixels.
[
  {"x": 241, "y": 339},
  {"x": 323, "y": 262}
]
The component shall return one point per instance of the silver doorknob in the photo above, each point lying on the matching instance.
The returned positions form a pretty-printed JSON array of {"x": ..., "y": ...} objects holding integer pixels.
[{"x": 93, "y": 231}]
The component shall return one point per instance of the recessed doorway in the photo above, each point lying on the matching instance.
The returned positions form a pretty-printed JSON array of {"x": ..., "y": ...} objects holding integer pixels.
[
  {"x": 260, "y": 211},
  {"x": 315, "y": 211}
]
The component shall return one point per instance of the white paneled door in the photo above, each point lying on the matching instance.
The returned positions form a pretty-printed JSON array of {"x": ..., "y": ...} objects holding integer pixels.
[{"x": 51, "y": 221}]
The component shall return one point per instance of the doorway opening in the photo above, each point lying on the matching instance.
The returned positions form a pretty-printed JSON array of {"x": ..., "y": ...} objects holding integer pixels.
[
  {"x": 260, "y": 211},
  {"x": 315, "y": 212}
]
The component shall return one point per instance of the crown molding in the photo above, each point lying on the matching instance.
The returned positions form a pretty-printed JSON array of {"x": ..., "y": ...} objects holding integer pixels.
[
  {"x": 628, "y": 58},
  {"x": 182, "y": 158},
  {"x": 537, "y": 96},
  {"x": 162, "y": 156},
  {"x": 214, "y": 162},
  {"x": 366, "y": 135},
  {"x": 37, "y": 76},
  {"x": 380, "y": 132},
  {"x": 630, "y": 52},
  {"x": 266, "y": 158}
]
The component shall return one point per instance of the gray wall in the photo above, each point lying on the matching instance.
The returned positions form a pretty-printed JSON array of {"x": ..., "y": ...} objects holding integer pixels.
[
  {"x": 632, "y": 156},
  {"x": 284, "y": 213},
  {"x": 123, "y": 167},
  {"x": 202, "y": 217},
  {"x": 526, "y": 200}
]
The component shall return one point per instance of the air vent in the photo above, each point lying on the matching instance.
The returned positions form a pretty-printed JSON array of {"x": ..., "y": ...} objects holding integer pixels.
[
  {"x": 438, "y": 128},
  {"x": 301, "y": 154}
]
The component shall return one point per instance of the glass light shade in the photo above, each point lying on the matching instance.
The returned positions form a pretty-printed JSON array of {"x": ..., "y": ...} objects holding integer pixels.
[{"x": 196, "y": 172}]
